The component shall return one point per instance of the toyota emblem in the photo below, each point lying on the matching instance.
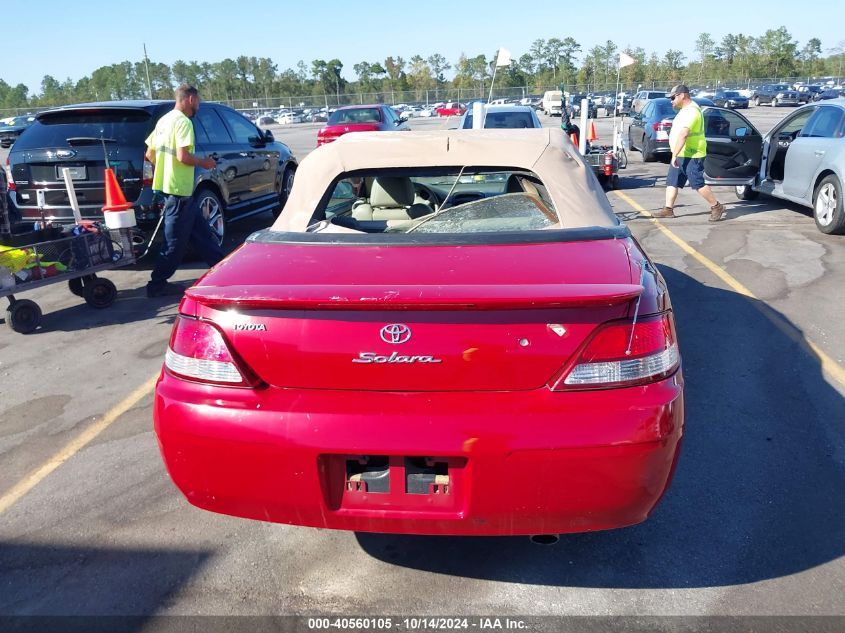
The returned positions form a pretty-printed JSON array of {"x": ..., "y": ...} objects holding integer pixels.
[{"x": 395, "y": 333}]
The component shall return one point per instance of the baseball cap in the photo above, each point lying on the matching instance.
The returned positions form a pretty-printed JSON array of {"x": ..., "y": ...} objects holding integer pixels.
[{"x": 678, "y": 90}]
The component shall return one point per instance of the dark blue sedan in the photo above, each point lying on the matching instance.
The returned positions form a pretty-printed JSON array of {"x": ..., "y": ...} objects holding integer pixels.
[{"x": 729, "y": 99}]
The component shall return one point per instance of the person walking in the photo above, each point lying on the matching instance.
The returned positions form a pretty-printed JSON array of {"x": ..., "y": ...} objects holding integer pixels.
[
  {"x": 170, "y": 149},
  {"x": 689, "y": 147}
]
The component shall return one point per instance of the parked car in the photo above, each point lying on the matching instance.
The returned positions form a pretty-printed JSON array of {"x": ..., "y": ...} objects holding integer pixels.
[
  {"x": 504, "y": 116},
  {"x": 640, "y": 99},
  {"x": 775, "y": 95},
  {"x": 13, "y": 128},
  {"x": 288, "y": 118},
  {"x": 801, "y": 159},
  {"x": 265, "y": 120},
  {"x": 649, "y": 130},
  {"x": 730, "y": 99},
  {"x": 451, "y": 108},
  {"x": 809, "y": 93},
  {"x": 390, "y": 369},
  {"x": 365, "y": 118},
  {"x": 573, "y": 103},
  {"x": 622, "y": 105},
  {"x": 254, "y": 172},
  {"x": 831, "y": 93}
]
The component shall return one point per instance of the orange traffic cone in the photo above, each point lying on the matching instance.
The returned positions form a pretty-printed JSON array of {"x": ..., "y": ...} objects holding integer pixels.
[
  {"x": 574, "y": 138},
  {"x": 592, "y": 134},
  {"x": 115, "y": 200}
]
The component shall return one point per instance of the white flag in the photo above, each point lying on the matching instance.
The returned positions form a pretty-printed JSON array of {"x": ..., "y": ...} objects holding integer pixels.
[
  {"x": 626, "y": 60},
  {"x": 504, "y": 58}
]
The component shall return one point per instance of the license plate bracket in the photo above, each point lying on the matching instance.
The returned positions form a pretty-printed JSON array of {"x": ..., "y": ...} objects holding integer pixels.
[{"x": 77, "y": 172}]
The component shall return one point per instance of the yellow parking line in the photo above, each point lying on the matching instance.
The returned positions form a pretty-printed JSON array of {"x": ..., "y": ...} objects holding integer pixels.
[
  {"x": 828, "y": 364},
  {"x": 34, "y": 478}
]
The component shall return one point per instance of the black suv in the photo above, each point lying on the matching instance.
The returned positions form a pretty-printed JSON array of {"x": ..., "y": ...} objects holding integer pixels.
[
  {"x": 775, "y": 95},
  {"x": 254, "y": 172}
]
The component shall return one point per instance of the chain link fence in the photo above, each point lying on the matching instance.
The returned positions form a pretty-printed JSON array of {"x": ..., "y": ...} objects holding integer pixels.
[{"x": 481, "y": 91}]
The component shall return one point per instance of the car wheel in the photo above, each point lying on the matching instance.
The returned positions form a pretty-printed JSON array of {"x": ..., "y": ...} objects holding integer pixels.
[
  {"x": 756, "y": 101},
  {"x": 745, "y": 192},
  {"x": 212, "y": 210},
  {"x": 827, "y": 206},
  {"x": 648, "y": 154},
  {"x": 284, "y": 190}
]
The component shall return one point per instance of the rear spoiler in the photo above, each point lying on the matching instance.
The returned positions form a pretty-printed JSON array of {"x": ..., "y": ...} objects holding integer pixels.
[{"x": 442, "y": 297}]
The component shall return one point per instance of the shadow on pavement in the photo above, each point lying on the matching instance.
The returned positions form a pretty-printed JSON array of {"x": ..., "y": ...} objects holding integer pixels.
[
  {"x": 757, "y": 493},
  {"x": 77, "y": 580}
]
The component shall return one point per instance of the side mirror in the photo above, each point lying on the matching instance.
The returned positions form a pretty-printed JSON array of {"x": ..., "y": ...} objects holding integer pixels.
[
  {"x": 399, "y": 122},
  {"x": 268, "y": 136}
]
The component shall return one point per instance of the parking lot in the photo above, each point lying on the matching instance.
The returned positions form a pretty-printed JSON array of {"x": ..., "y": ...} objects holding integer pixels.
[{"x": 754, "y": 523}]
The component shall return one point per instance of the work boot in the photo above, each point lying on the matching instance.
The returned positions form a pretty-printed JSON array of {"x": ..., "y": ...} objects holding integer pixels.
[
  {"x": 717, "y": 212},
  {"x": 665, "y": 212}
]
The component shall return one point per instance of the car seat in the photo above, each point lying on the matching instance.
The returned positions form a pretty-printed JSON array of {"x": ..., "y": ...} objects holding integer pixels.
[{"x": 391, "y": 198}]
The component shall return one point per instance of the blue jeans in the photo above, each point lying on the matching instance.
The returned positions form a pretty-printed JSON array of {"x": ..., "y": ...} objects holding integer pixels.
[{"x": 183, "y": 223}]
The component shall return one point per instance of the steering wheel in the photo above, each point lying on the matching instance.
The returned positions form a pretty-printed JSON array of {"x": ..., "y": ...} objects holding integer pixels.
[{"x": 427, "y": 194}]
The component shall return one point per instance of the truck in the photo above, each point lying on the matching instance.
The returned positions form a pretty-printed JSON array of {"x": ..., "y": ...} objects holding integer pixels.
[{"x": 552, "y": 101}]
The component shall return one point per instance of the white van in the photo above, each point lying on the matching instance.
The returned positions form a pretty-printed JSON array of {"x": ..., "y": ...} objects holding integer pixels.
[{"x": 552, "y": 101}]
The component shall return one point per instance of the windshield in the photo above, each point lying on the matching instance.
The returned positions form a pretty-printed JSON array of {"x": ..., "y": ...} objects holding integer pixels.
[{"x": 125, "y": 127}]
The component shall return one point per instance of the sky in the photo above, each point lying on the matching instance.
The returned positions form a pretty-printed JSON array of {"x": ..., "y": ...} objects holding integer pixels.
[{"x": 72, "y": 39}]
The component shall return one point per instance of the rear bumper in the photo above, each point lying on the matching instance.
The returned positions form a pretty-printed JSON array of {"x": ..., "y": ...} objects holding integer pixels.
[
  {"x": 515, "y": 463},
  {"x": 146, "y": 209}
]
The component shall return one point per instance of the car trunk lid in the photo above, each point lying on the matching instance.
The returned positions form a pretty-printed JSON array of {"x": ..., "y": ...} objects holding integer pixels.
[{"x": 482, "y": 317}]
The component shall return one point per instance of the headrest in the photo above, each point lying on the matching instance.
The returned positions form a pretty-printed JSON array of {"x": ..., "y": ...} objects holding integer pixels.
[{"x": 392, "y": 191}]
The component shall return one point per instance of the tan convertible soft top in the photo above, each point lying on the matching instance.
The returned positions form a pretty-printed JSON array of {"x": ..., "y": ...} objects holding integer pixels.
[{"x": 575, "y": 192}]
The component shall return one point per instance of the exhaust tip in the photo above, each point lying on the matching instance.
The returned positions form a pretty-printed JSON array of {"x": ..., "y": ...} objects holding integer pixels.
[{"x": 544, "y": 539}]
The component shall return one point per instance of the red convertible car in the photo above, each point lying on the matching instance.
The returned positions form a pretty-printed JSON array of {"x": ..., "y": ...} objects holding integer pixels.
[
  {"x": 451, "y": 109},
  {"x": 448, "y": 332}
]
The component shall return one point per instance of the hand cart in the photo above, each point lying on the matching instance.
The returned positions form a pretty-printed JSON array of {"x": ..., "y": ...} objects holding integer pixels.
[
  {"x": 75, "y": 259},
  {"x": 606, "y": 163}
]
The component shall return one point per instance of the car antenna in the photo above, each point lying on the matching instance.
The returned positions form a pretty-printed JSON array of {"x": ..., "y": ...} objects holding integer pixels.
[
  {"x": 643, "y": 265},
  {"x": 105, "y": 153}
]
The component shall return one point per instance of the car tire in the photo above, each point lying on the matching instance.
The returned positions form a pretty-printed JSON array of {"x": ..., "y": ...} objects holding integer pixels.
[
  {"x": 648, "y": 154},
  {"x": 827, "y": 206},
  {"x": 745, "y": 192},
  {"x": 212, "y": 210},
  {"x": 284, "y": 189},
  {"x": 774, "y": 102}
]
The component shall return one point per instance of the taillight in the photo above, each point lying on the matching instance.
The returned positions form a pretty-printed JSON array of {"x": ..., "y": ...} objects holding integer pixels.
[
  {"x": 622, "y": 353},
  {"x": 147, "y": 175},
  {"x": 198, "y": 351},
  {"x": 661, "y": 126},
  {"x": 10, "y": 183}
]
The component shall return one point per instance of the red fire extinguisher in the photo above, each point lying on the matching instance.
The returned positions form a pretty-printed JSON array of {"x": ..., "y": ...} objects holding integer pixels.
[{"x": 608, "y": 164}]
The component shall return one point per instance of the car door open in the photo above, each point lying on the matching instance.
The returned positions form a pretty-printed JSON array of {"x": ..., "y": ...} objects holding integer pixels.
[{"x": 734, "y": 148}]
